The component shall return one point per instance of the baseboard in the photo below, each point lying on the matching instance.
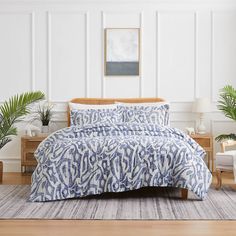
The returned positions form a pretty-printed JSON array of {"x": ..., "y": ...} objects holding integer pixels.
[{"x": 11, "y": 164}]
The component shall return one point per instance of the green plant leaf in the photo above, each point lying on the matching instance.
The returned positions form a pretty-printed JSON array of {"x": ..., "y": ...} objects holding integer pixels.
[
  {"x": 227, "y": 104},
  {"x": 224, "y": 137},
  {"x": 12, "y": 111}
]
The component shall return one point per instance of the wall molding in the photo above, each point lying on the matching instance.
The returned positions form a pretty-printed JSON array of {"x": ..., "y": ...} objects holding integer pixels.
[
  {"x": 211, "y": 56},
  {"x": 185, "y": 122},
  {"x": 87, "y": 42},
  {"x": 140, "y": 77},
  {"x": 103, "y": 77},
  {"x": 157, "y": 81},
  {"x": 49, "y": 50},
  {"x": 11, "y": 164},
  {"x": 195, "y": 82},
  {"x": 49, "y": 81},
  {"x": 33, "y": 51},
  {"x": 195, "y": 37},
  {"x": 212, "y": 121},
  {"x": 213, "y": 14},
  {"x": 103, "y": 26},
  {"x": 32, "y": 43},
  {"x": 173, "y": 109}
]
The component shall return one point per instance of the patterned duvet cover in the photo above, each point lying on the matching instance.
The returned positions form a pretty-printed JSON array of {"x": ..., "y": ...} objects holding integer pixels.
[{"x": 77, "y": 162}]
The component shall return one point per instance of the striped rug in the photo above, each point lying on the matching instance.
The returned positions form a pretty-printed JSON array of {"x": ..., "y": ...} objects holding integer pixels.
[{"x": 144, "y": 204}]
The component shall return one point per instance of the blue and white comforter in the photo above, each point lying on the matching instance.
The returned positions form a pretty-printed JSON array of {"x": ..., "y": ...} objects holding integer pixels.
[{"x": 77, "y": 162}]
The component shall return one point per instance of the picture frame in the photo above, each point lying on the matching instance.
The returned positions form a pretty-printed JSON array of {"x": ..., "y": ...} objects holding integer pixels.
[{"x": 122, "y": 52}]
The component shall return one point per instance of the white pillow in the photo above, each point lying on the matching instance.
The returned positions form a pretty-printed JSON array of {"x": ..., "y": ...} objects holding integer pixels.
[
  {"x": 78, "y": 106},
  {"x": 151, "y": 104}
]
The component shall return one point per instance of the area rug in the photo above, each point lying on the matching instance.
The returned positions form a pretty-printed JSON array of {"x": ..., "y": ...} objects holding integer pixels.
[{"x": 144, "y": 204}]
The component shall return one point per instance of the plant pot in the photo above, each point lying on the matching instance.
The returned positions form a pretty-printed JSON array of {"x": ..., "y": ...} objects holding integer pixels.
[{"x": 45, "y": 129}]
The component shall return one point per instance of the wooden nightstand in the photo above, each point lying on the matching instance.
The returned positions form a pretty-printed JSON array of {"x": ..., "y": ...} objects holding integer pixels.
[
  {"x": 206, "y": 142},
  {"x": 28, "y": 147}
]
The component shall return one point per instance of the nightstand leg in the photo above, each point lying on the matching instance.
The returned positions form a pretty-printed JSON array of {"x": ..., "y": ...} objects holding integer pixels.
[
  {"x": 184, "y": 193},
  {"x": 208, "y": 160},
  {"x": 22, "y": 170},
  {"x": 219, "y": 179},
  {"x": 212, "y": 162}
]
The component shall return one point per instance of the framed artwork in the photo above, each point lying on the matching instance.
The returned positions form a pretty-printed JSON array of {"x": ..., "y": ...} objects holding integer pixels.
[{"x": 122, "y": 52}]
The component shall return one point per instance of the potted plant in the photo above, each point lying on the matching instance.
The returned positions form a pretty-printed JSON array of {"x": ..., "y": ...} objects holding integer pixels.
[
  {"x": 12, "y": 112},
  {"x": 227, "y": 104},
  {"x": 45, "y": 114}
]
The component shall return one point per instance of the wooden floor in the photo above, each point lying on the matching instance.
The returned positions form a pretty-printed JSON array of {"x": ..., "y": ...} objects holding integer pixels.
[{"x": 108, "y": 228}]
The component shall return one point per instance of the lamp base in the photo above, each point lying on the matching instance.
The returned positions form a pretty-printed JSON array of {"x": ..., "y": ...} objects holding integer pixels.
[{"x": 201, "y": 129}]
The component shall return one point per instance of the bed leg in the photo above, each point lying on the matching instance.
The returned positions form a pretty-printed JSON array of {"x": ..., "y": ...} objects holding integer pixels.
[
  {"x": 184, "y": 193},
  {"x": 219, "y": 179}
]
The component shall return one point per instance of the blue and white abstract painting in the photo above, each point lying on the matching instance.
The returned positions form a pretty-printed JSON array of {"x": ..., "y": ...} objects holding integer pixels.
[{"x": 122, "y": 52}]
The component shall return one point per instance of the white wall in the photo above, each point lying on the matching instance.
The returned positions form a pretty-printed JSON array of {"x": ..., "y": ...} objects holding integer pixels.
[{"x": 188, "y": 50}]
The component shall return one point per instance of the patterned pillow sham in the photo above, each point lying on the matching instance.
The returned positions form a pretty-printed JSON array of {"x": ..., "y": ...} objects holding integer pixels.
[
  {"x": 146, "y": 114},
  {"x": 95, "y": 116}
]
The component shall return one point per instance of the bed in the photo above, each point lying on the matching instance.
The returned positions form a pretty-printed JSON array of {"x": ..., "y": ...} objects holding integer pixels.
[{"x": 117, "y": 156}]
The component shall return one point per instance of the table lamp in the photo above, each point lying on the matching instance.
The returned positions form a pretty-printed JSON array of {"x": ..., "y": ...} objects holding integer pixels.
[{"x": 201, "y": 106}]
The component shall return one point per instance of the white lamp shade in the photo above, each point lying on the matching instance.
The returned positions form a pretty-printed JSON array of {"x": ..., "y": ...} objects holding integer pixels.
[{"x": 201, "y": 105}]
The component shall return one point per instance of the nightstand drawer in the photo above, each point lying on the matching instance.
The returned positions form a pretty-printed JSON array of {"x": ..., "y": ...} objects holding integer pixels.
[
  {"x": 28, "y": 147},
  {"x": 204, "y": 142},
  {"x": 29, "y": 157},
  {"x": 32, "y": 144},
  {"x": 29, "y": 160}
]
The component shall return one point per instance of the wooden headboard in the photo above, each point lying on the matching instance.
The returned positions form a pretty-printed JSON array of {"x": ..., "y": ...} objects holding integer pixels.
[{"x": 103, "y": 101}]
